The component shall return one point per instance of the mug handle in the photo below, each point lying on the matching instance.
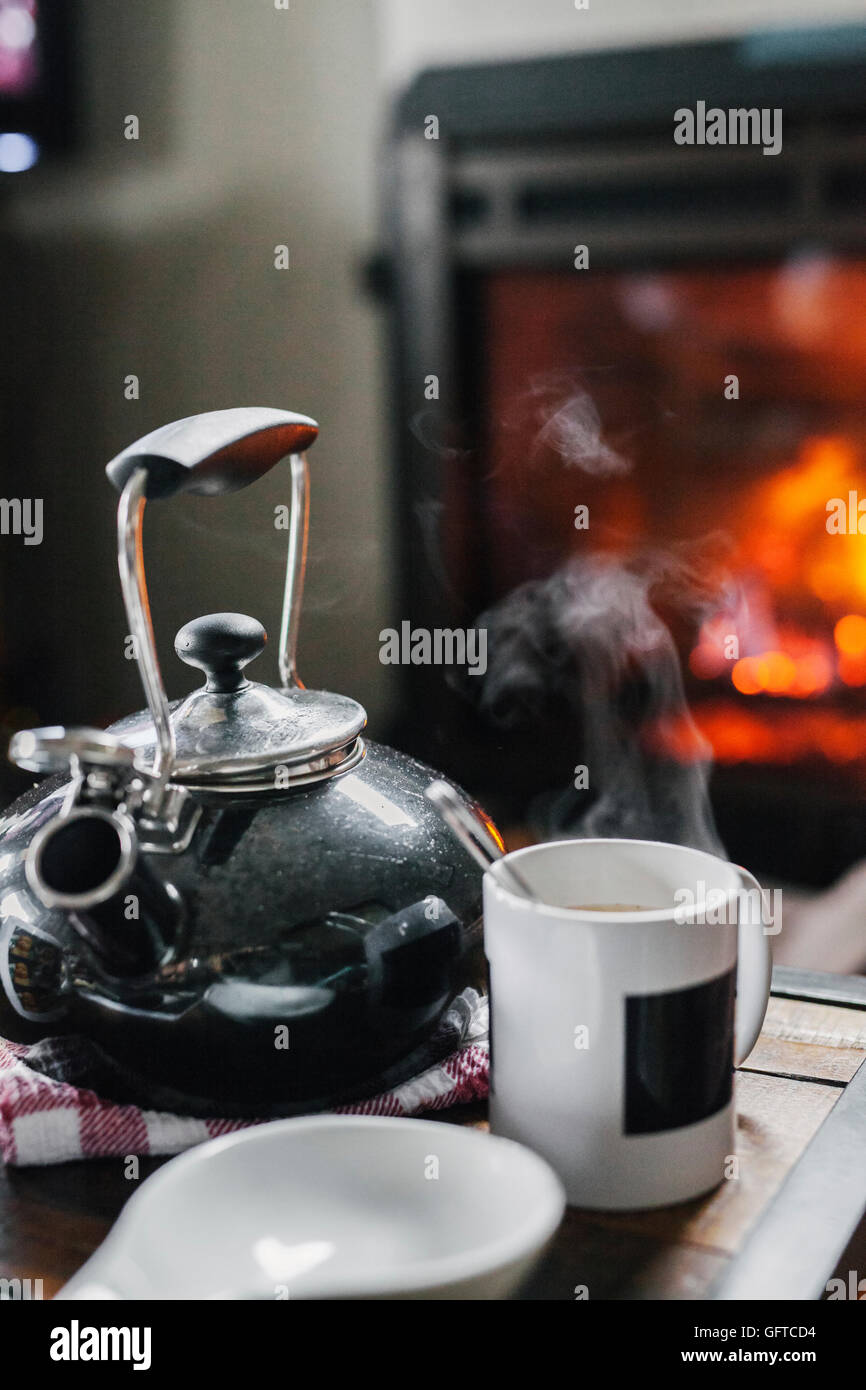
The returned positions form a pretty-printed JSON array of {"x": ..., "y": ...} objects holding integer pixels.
[{"x": 754, "y": 974}]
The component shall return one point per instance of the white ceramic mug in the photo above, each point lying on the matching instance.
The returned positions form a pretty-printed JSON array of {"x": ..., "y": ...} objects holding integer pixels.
[{"x": 614, "y": 1033}]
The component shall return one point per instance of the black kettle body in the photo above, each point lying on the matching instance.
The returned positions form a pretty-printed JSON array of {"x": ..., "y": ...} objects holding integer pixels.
[{"x": 241, "y": 904}]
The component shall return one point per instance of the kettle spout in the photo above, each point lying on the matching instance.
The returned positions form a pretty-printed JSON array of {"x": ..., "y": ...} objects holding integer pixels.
[{"x": 86, "y": 862}]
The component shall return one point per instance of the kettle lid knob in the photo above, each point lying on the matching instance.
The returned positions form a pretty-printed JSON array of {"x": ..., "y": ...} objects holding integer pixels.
[{"x": 221, "y": 645}]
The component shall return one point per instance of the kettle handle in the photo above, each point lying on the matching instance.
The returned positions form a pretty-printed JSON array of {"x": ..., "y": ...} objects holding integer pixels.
[{"x": 219, "y": 452}]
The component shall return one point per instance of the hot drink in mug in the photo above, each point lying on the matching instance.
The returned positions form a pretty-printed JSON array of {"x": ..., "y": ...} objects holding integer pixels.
[{"x": 617, "y": 1014}]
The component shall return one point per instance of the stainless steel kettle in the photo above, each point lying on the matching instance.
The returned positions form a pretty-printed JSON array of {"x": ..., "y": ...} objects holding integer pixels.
[{"x": 245, "y": 906}]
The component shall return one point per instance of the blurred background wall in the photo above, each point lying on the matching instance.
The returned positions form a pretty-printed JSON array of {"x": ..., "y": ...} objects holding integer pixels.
[{"x": 155, "y": 258}]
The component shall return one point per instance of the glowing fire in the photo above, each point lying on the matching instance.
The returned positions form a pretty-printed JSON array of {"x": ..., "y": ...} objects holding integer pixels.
[
  {"x": 799, "y": 630},
  {"x": 800, "y": 583}
]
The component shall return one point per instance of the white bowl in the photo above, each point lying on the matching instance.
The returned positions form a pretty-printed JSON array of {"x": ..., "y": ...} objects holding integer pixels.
[{"x": 332, "y": 1207}]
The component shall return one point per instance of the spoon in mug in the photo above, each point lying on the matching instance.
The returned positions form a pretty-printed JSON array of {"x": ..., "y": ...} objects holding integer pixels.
[{"x": 475, "y": 837}]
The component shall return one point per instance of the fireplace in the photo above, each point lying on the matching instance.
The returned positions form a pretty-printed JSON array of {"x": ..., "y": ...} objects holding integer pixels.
[{"x": 705, "y": 305}]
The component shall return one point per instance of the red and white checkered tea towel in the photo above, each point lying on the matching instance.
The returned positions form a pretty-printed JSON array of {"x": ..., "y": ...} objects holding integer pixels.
[{"x": 48, "y": 1121}]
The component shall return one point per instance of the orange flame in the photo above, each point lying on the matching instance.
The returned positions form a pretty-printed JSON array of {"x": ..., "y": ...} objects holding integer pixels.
[{"x": 794, "y": 564}]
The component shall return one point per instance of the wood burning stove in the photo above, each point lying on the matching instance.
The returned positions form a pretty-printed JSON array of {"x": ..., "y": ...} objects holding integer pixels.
[{"x": 551, "y": 242}]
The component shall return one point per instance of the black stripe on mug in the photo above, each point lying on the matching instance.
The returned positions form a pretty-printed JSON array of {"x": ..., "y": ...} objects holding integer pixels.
[{"x": 679, "y": 1055}]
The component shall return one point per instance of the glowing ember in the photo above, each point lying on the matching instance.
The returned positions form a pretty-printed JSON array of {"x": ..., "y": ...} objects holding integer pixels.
[
  {"x": 852, "y": 669},
  {"x": 740, "y": 734},
  {"x": 850, "y": 635}
]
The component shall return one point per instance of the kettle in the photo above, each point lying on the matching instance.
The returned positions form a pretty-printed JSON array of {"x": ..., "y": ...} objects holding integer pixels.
[{"x": 243, "y": 905}]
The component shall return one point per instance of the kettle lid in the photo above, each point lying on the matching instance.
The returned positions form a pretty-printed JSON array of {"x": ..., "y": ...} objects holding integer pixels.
[{"x": 238, "y": 734}]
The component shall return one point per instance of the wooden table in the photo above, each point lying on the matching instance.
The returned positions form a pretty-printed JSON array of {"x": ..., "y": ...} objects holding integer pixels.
[{"x": 793, "y": 1217}]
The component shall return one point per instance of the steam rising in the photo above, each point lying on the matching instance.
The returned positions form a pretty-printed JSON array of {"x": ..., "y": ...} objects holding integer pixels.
[
  {"x": 594, "y": 635},
  {"x": 591, "y": 633},
  {"x": 569, "y": 424}
]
